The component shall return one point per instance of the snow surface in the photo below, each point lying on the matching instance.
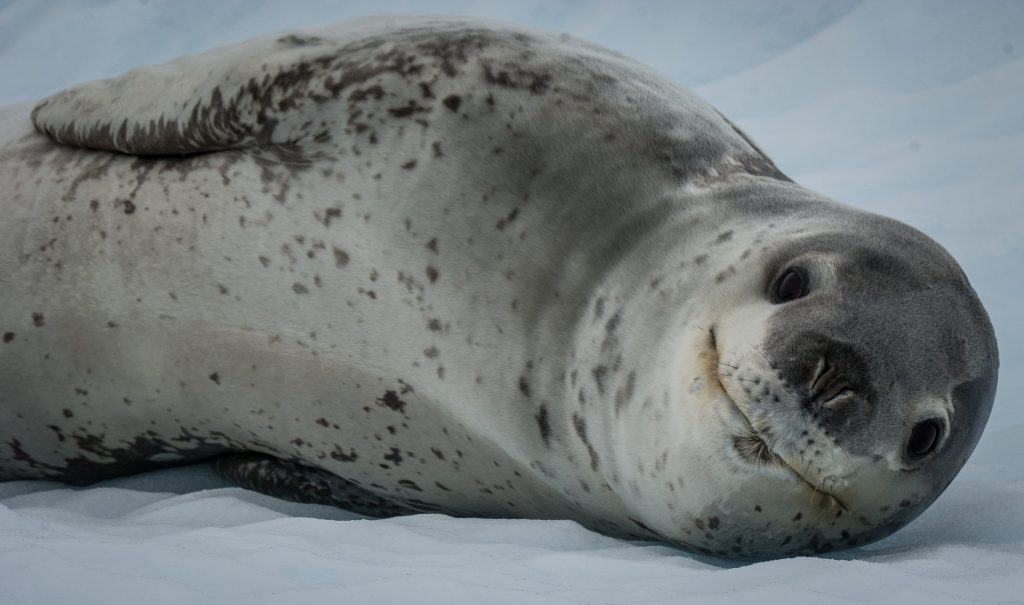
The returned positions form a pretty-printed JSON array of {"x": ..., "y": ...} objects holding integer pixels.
[
  {"x": 154, "y": 539},
  {"x": 913, "y": 109}
]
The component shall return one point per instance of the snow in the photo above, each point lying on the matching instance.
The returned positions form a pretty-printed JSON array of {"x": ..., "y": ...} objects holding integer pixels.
[
  {"x": 912, "y": 109},
  {"x": 154, "y": 538}
]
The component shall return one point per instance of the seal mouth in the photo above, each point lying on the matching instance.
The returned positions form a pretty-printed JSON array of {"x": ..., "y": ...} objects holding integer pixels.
[{"x": 753, "y": 446}]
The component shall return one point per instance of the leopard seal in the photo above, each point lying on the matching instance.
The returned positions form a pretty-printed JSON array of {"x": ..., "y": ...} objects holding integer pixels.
[{"x": 416, "y": 264}]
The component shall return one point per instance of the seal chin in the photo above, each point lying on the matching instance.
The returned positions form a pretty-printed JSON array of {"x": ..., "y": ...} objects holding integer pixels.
[{"x": 753, "y": 447}]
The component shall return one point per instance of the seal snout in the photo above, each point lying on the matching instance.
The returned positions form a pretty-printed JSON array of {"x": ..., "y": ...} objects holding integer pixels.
[{"x": 835, "y": 376}]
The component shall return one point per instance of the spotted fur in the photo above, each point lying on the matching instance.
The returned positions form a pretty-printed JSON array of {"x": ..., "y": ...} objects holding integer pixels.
[{"x": 419, "y": 264}]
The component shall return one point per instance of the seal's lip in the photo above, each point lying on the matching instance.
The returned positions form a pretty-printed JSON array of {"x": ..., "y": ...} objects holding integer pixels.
[{"x": 782, "y": 461}]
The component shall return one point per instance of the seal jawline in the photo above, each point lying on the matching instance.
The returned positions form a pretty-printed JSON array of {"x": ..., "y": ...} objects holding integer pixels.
[{"x": 753, "y": 447}]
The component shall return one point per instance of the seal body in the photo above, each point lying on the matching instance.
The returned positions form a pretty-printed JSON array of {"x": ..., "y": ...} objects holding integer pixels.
[{"x": 477, "y": 270}]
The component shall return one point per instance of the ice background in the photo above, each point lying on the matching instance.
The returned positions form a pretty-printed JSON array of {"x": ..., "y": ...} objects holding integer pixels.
[{"x": 908, "y": 108}]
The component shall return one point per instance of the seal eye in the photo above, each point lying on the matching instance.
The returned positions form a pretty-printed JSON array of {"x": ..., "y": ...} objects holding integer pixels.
[
  {"x": 791, "y": 285},
  {"x": 923, "y": 439}
]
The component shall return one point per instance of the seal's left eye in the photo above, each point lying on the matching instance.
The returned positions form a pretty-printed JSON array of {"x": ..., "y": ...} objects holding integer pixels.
[
  {"x": 790, "y": 286},
  {"x": 923, "y": 438}
]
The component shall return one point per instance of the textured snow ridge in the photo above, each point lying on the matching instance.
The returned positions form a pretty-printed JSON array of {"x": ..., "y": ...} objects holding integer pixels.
[{"x": 913, "y": 109}]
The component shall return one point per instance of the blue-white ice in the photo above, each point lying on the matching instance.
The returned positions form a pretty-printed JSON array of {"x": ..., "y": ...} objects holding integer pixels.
[{"x": 911, "y": 109}]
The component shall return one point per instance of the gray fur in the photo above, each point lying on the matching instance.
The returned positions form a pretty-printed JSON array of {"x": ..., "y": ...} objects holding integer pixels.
[{"x": 472, "y": 269}]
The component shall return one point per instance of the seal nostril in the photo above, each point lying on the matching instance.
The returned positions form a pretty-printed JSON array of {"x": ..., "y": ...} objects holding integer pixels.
[
  {"x": 826, "y": 377},
  {"x": 828, "y": 385},
  {"x": 823, "y": 368},
  {"x": 836, "y": 401}
]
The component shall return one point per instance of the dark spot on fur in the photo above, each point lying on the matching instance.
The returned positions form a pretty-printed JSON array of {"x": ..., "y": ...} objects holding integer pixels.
[
  {"x": 625, "y": 394},
  {"x": 500, "y": 78},
  {"x": 343, "y": 456},
  {"x": 359, "y": 95},
  {"x": 331, "y": 214},
  {"x": 452, "y": 102},
  {"x": 215, "y": 377},
  {"x": 432, "y": 274},
  {"x": 8, "y": 336},
  {"x": 299, "y": 288},
  {"x": 407, "y": 110},
  {"x": 524, "y": 386},
  {"x": 542, "y": 424},
  {"x": 57, "y": 431},
  {"x": 580, "y": 424},
  {"x": 798, "y": 516},
  {"x": 394, "y": 457},
  {"x": 299, "y": 40},
  {"x": 409, "y": 165},
  {"x": 341, "y": 257},
  {"x": 129, "y": 207},
  {"x": 409, "y": 484},
  {"x": 537, "y": 83},
  {"x": 610, "y": 328},
  {"x": 599, "y": 374},
  {"x": 501, "y": 224},
  {"x": 391, "y": 400}
]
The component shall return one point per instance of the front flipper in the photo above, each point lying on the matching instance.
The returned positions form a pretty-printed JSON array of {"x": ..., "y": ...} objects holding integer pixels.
[
  {"x": 300, "y": 483},
  {"x": 277, "y": 90}
]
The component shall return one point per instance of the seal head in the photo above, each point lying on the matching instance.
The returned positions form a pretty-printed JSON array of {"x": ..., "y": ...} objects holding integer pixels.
[{"x": 838, "y": 383}]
